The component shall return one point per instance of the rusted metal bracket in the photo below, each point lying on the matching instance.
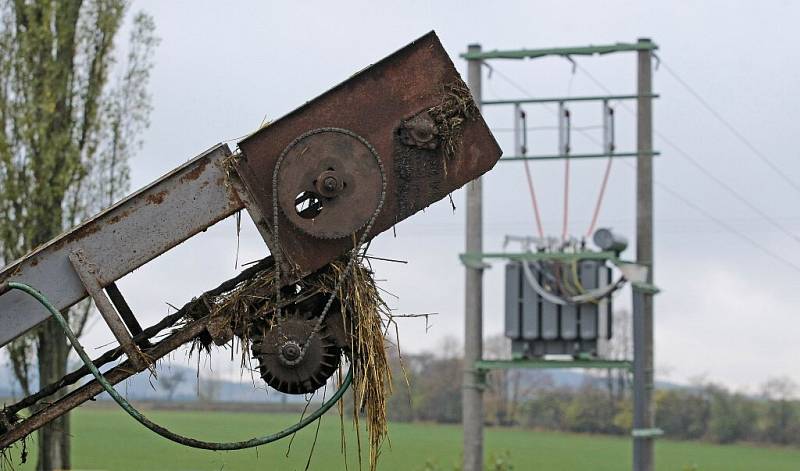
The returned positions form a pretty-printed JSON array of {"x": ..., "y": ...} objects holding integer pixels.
[
  {"x": 86, "y": 271},
  {"x": 125, "y": 312},
  {"x": 411, "y": 108}
]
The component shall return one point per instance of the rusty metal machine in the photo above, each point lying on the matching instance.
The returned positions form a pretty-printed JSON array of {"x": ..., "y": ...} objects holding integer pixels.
[{"x": 318, "y": 183}]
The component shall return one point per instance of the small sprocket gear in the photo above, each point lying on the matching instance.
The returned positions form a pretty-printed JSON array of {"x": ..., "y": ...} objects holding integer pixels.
[{"x": 290, "y": 365}]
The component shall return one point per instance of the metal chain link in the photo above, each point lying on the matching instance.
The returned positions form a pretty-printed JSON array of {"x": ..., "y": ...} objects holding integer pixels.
[{"x": 278, "y": 255}]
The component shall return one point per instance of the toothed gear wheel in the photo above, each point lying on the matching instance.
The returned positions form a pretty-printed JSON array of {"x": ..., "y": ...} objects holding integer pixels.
[
  {"x": 330, "y": 182},
  {"x": 285, "y": 367}
]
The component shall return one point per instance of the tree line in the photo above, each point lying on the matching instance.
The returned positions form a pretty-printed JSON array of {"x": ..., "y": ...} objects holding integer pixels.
[
  {"x": 72, "y": 111},
  {"x": 427, "y": 388}
]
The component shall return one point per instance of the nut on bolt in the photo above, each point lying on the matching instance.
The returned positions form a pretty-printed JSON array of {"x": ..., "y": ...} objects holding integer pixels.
[
  {"x": 329, "y": 183},
  {"x": 420, "y": 131},
  {"x": 291, "y": 353}
]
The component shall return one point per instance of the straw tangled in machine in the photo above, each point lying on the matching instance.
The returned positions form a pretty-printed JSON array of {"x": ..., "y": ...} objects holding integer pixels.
[{"x": 241, "y": 313}]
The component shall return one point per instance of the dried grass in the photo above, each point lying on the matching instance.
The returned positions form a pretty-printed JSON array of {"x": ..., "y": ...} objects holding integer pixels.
[
  {"x": 456, "y": 107},
  {"x": 372, "y": 377},
  {"x": 251, "y": 304}
]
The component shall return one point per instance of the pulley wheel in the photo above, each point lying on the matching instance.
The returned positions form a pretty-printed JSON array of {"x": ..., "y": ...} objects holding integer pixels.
[{"x": 329, "y": 182}]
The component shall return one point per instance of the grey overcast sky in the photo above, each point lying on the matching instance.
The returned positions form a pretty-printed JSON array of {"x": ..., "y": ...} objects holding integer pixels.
[{"x": 727, "y": 311}]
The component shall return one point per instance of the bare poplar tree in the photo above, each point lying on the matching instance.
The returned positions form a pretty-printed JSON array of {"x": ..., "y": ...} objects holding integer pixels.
[{"x": 71, "y": 113}]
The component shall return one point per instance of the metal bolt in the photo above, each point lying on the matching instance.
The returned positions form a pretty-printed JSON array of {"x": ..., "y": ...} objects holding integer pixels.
[
  {"x": 328, "y": 183},
  {"x": 290, "y": 352},
  {"x": 331, "y": 184}
]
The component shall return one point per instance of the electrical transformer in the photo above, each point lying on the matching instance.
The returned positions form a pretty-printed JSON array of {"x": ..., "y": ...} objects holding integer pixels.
[{"x": 558, "y": 308}]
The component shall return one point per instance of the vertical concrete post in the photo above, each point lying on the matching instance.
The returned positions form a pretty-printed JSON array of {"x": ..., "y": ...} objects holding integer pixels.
[
  {"x": 472, "y": 388},
  {"x": 642, "y": 298}
]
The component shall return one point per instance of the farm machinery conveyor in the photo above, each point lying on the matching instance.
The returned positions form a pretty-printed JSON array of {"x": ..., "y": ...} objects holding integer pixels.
[{"x": 318, "y": 183}]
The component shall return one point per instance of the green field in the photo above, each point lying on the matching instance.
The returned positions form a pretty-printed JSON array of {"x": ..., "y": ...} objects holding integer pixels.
[{"x": 109, "y": 440}]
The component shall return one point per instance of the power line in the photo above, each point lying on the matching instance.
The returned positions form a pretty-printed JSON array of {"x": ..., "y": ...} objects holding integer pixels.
[
  {"x": 730, "y": 190},
  {"x": 730, "y": 229},
  {"x": 600, "y": 195},
  {"x": 528, "y": 173},
  {"x": 721, "y": 223},
  {"x": 508, "y": 79},
  {"x": 532, "y": 192},
  {"x": 583, "y": 130},
  {"x": 667, "y": 189},
  {"x": 549, "y": 128},
  {"x": 705, "y": 171},
  {"x": 739, "y": 135}
]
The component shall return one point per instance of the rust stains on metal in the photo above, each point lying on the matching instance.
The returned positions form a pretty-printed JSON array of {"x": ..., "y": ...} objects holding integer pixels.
[
  {"x": 80, "y": 233},
  {"x": 329, "y": 154},
  {"x": 195, "y": 173},
  {"x": 420, "y": 131},
  {"x": 156, "y": 198},
  {"x": 119, "y": 217},
  {"x": 374, "y": 104}
]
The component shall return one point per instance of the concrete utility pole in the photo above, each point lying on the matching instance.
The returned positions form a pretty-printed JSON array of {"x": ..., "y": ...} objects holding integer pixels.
[
  {"x": 472, "y": 388},
  {"x": 643, "y": 428}
]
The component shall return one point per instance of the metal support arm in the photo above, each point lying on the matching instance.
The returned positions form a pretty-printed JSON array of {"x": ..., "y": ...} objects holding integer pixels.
[
  {"x": 86, "y": 272},
  {"x": 121, "y": 239}
]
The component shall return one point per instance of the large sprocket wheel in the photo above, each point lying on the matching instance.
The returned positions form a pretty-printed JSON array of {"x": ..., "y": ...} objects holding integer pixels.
[
  {"x": 283, "y": 364},
  {"x": 329, "y": 182}
]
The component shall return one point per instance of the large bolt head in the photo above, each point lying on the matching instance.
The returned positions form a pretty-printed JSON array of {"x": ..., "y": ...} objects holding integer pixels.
[
  {"x": 290, "y": 352},
  {"x": 329, "y": 184}
]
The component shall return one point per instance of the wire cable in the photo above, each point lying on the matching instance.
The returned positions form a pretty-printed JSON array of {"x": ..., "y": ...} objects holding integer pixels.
[
  {"x": 738, "y": 196},
  {"x": 520, "y": 122},
  {"x": 702, "y": 169},
  {"x": 528, "y": 173},
  {"x": 723, "y": 224},
  {"x": 663, "y": 187},
  {"x": 691, "y": 204},
  {"x": 600, "y": 196},
  {"x": 582, "y": 130},
  {"x": 738, "y": 134},
  {"x": 566, "y": 150},
  {"x": 535, "y": 204},
  {"x": 593, "y": 295},
  {"x": 565, "y": 227}
]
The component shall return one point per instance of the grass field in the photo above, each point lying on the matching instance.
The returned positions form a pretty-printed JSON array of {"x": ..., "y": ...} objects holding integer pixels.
[{"x": 110, "y": 440}]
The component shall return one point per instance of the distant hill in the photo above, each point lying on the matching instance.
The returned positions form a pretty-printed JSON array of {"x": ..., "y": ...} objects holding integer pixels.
[
  {"x": 142, "y": 387},
  {"x": 187, "y": 388}
]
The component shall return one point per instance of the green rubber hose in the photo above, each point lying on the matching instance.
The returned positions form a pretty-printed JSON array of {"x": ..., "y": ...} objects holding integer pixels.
[{"x": 133, "y": 412}]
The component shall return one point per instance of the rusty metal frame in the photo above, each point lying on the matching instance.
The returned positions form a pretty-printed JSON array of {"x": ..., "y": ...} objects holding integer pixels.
[
  {"x": 124, "y": 310},
  {"x": 122, "y": 238},
  {"x": 86, "y": 271},
  {"x": 374, "y": 104}
]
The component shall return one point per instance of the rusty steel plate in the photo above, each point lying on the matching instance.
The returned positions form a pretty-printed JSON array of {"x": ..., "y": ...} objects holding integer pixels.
[
  {"x": 329, "y": 183},
  {"x": 403, "y": 105}
]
